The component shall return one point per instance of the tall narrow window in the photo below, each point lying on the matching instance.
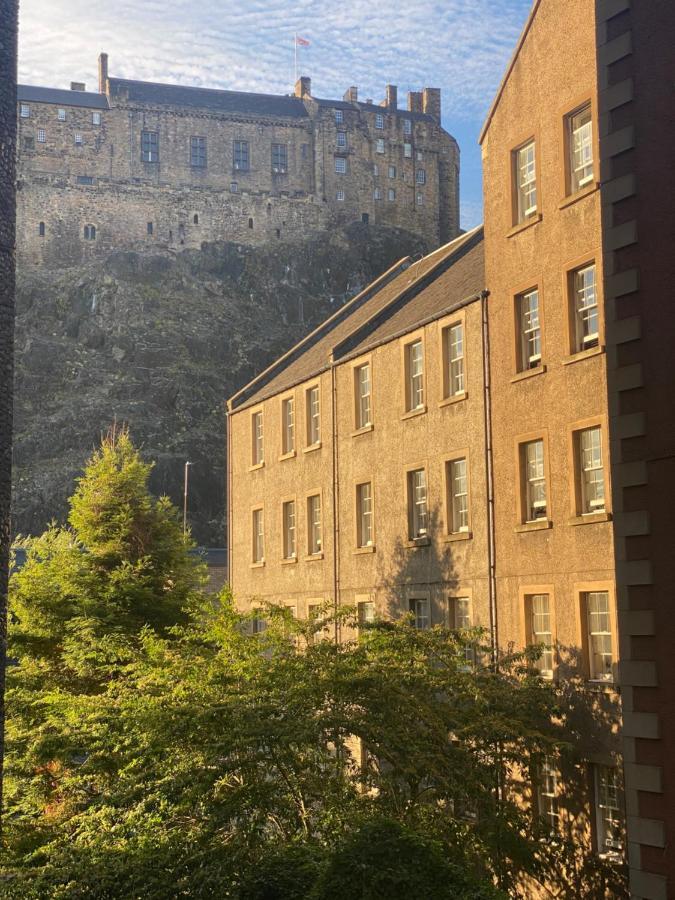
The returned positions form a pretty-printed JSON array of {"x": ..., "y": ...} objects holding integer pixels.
[
  {"x": 535, "y": 481},
  {"x": 149, "y": 228},
  {"x": 539, "y": 615},
  {"x": 591, "y": 470},
  {"x": 547, "y": 795},
  {"x": 458, "y": 505},
  {"x": 24, "y": 111},
  {"x": 391, "y": 195},
  {"x": 288, "y": 513},
  {"x": 342, "y": 139},
  {"x": 240, "y": 156},
  {"x": 608, "y": 809},
  {"x": 90, "y": 232},
  {"x": 41, "y": 229},
  {"x": 407, "y": 150},
  {"x": 580, "y": 137},
  {"x": 454, "y": 359},
  {"x": 288, "y": 425},
  {"x": 407, "y": 126},
  {"x": 258, "y": 536},
  {"x": 279, "y": 159},
  {"x": 149, "y": 146},
  {"x": 599, "y": 636},
  {"x": 415, "y": 375},
  {"x": 366, "y": 612},
  {"x": 417, "y": 503},
  {"x": 364, "y": 514},
  {"x": 421, "y": 176},
  {"x": 340, "y": 165},
  {"x": 392, "y": 171},
  {"x": 379, "y": 145},
  {"x": 526, "y": 181},
  {"x": 379, "y": 120},
  {"x": 529, "y": 330},
  {"x": 96, "y": 118},
  {"x": 315, "y": 543},
  {"x": 363, "y": 407},
  {"x": 198, "y": 152},
  {"x": 339, "y": 117},
  {"x": 419, "y": 607},
  {"x": 313, "y": 417},
  {"x": 258, "y": 455},
  {"x": 41, "y": 135},
  {"x": 461, "y": 620},
  {"x": 585, "y": 308}
]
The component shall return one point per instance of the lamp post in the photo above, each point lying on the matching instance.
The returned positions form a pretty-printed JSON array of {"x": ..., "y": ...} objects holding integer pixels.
[{"x": 185, "y": 498}]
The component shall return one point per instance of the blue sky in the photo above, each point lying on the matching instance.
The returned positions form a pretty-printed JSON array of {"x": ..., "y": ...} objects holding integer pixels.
[{"x": 461, "y": 46}]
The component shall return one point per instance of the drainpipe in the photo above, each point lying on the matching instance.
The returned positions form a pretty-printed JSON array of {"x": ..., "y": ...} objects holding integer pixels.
[
  {"x": 489, "y": 476},
  {"x": 336, "y": 502},
  {"x": 228, "y": 484}
]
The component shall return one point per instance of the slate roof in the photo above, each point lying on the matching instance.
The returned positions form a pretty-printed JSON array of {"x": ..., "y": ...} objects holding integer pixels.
[
  {"x": 28, "y": 93},
  {"x": 408, "y": 294},
  {"x": 375, "y": 107},
  {"x": 207, "y": 98}
]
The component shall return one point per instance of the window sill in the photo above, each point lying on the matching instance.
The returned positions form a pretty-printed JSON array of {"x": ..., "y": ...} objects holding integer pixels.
[
  {"x": 456, "y": 398},
  {"x": 579, "y": 195},
  {"x": 414, "y": 412},
  {"x": 258, "y": 565},
  {"x": 528, "y": 373},
  {"x": 290, "y": 455},
  {"x": 522, "y": 226},
  {"x": 257, "y": 466},
  {"x": 359, "y": 551},
  {"x": 422, "y": 541},
  {"x": 458, "y": 536},
  {"x": 583, "y": 354},
  {"x": 590, "y": 518},
  {"x": 314, "y": 556},
  {"x": 366, "y": 429},
  {"x": 602, "y": 687},
  {"x": 289, "y": 561},
  {"x": 312, "y": 447},
  {"x": 537, "y": 525}
]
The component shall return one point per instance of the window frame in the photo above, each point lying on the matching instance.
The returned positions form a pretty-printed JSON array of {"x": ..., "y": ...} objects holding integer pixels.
[
  {"x": 41, "y": 136},
  {"x": 149, "y": 145},
  {"x": 521, "y": 341},
  {"x": 341, "y": 139},
  {"x": 241, "y": 155},
  {"x": 451, "y": 531},
  {"x": 409, "y": 389},
  {"x": 339, "y": 116},
  {"x": 279, "y": 149},
  {"x": 24, "y": 110},
  {"x": 414, "y": 603},
  {"x": 577, "y": 514},
  {"x": 391, "y": 195},
  {"x": 257, "y": 439},
  {"x": 89, "y": 232},
  {"x": 379, "y": 121},
  {"x": 258, "y": 535},
  {"x": 581, "y": 592},
  {"x": 417, "y": 509},
  {"x": 60, "y": 115},
  {"x": 311, "y": 542},
  {"x": 340, "y": 195},
  {"x": 380, "y": 146},
  {"x": 357, "y": 367},
  {"x": 520, "y": 212},
  {"x": 524, "y": 523},
  {"x": 96, "y": 118},
  {"x": 311, "y": 418},
  {"x": 569, "y": 188},
  {"x": 571, "y": 269},
  {"x": 340, "y": 165},
  {"x": 551, "y": 816},
  {"x": 289, "y": 530},
  {"x": 525, "y": 594},
  {"x": 445, "y": 327},
  {"x": 288, "y": 429},
  {"x": 198, "y": 151},
  {"x": 362, "y": 515},
  {"x": 365, "y": 602},
  {"x": 407, "y": 150},
  {"x": 598, "y": 817}
]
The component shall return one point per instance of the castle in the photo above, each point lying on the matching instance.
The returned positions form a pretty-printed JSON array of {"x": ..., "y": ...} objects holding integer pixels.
[{"x": 139, "y": 164}]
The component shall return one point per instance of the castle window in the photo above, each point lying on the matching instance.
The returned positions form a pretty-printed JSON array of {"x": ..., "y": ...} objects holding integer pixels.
[
  {"x": 419, "y": 199},
  {"x": 377, "y": 194},
  {"x": 342, "y": 139},
  {"x": 420, "y": 156},
  {"x": 365, "y": 218},
  {"x": 61, "y": 115},
  {"x": 149, "y": 146},
  {"x": 79, "y": 140},
  {"x": 407, "y": 151},
  {"x": 379, "y": 145},
  {"x": 340, "y": 165},
  {"x": 278, "y": 232},
  {"x": 96, "y": 118},
  {"x": 85, "y": 179},
  {"x": 29, "y": 143},
  {"x": 379, "y": 120},
  {"x": 150, "y": 228},
  {"x": 234, "y": 187},
  {"x": 24, "y": 111},
  {"x": 41, "y": 229},
  {"x": 241, "y": 156},
  {"x": 392, "y": 171},
  {"x": 90, "y": 232},
  {"x": 195, "y": 219},
  {"x": 250, "y": 223},
  {"x": 376, "y": 169},
  {"x": 340, "y": 195},
  {"x": 339, "y": 116},
  {"x": 421, "y": 176},
  {"x": 198, "y": 152},
  {"x": 41, "y": 136},
  {"x": 407, "y": 126},
  {"x": 391, "y": 194},
  {"x": 279, "y": 159}
]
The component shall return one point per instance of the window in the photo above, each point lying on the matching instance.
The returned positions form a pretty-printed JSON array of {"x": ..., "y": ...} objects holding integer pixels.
[
  {"x": 315, "y": 544},
  {"x": 529, "y": 330},
  {"x": 41, "y": 229},
  {"x": 407, "y": 151},
  {"x": 392, "y": 171},
  {"x": 258, "y": 624},
  {"x": 419, "y": 156},
  {"x": 391, "y": 194},
  {"x": 340, "y": 195},
  {"x": 454, "y": 359},
  {"x": 85, "y": 179},
  {"x": 414, "y": 376},
  {"x": 535, "y": 481},
  {"x": 313, "y": 417},
  {"x": 258, "y": 537},
  {"x": 61, "y": 115},
  {"x": 580, "y": 144},
  {"x": 407, "y": 126},
  {"x": 461, "y": 620},
  {"x": 526, "y": 181},
  {"x": 339, "y": 117},
  {"x": 379, "y": 120},
  {"x": 419, "y": 199},
  {"x": 41, "y": 135},
  {"x": 24, "y": 111},
  {"x": 364, "y": 513},
  {"x": 150, "y": 228},
  {"x": 417, "y": 504},
  {"x": 90, "y": 232},
  {"x": 258, "y": 455},
  {"x": 363, "y": 407},
  {"x": 250, "y": 223},
  {"x": 342, "y": 139},
  {"x": 377, "y": 194},
  {"x": 376, "y": 169},
  {"x": 234, "y": 187},
  {"x": 198, "y": 152},
  {"x": 340, "y": 165},
  {"x": 241, "y": 159},
  {"x": 287, "y": 425},
  {"x": 288, "y": 514},
  {"x": 608, "y": 809},
  {"x": 29, "y": 143},
  {"x": 279, "y": 159},
  {"x": 149, "y": 146},
  {"x": 419, "y": 607},
  {"x": 379, "y": 145},
  {"x": 547, "y": 795},
  {"x": 584, "y": 308},
  {"x": 458, "y": 489},
  {"x": 538, "y": 612},
  {"x": 421, "y": 176},
  {"x": 96, "y": 118},
  {"x": 591, "y": 478},
  {"x": 600, "y": 655},
  {"x": 79, "y": 140},
  {"x": 366, "y": 612}
]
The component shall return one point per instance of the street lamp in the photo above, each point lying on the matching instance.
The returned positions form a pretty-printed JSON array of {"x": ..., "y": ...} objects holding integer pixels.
[{"x": 185, "y": 498}]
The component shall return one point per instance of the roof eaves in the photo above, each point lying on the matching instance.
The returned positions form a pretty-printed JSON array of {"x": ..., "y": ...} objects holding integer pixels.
[{"x": 509, "y": 69}]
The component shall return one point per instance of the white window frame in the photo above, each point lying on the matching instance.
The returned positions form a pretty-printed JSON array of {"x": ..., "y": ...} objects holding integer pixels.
[
  {"x": 257, "y": 438},
  {"x": 287, "y": 425},
  {"x": 609, "y": 817},
  {"x": 460, "y": 618},
  {"x": 364, "y": 507},
  {"x": 540, "y": 630},
  {"x": 377, "y": 194},
  {"x": 364, "y": 412},
  {"x": 365, "y": 612},
  {"x": 591, "y": 470},
  {"x": 258, "y": 535},
  {"x": 420, "y": 176},
  {"x": 391, "y": 195},
  {"x": 290, "y": 549},
  {"x": 407, "y": 150},
  {"x": 529, "y": 327},
  {"x": 599, "y": 636},
  {"x": 585, "y": 307},
  {"x": 79, "y": 139},
  {"x": 41, "y": 136},
  {"x": 391, "y": 171},
  {"x": 342, "y": 139},
  {"x": 96, "y": 118},
  {"x": 458, "y": 488},
  {"x": 417, "y": 504},
  {"x": 454, "y": 348},
  {"x": 313, "y": 411},
  {"x": 340, "y": 165},
  {"x": 419, "y": 198},
  {"x": 24, "y": 111},
  {"x": 525, "y": 162},
  {"x": 420, "y": 607},
  {"x": 379, "y": 145},
  {"x": 580, "y": 137},
  {"x": 340, "y": 195},
  {"x": 339, "y": 117},
  {"x": 379, "y": 120},
  {"x": 415, "y": 375},
  {"x": 314, "y": 524},
  {"x": 534, "y": 474},
  {"x": 547, "y": 795},
  {"x": 407, "y": 126},
  {"x": 61, "y": 115}
]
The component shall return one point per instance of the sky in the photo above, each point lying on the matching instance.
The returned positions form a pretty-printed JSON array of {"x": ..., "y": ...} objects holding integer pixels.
[{"x": 461, "y": 46}]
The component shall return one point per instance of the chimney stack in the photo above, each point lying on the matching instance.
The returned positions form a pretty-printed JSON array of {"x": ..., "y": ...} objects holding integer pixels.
[
  {"x": 351, "y": 95},
  {"x": 415, "y": 101},
  {"x": 303, "y": 87},
  {"x": 391, "y": 96},
  {"x": 431, "y": 103},
  {"x": 78, "y": 86},
  {"x": 103, "y": 73}
]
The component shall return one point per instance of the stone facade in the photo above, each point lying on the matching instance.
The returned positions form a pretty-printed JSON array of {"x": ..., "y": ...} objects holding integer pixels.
[{"x": 167, "y": 167}]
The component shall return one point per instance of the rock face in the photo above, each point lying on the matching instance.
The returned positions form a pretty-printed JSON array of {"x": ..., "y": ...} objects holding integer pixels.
[{"x": 160, "y": 342}]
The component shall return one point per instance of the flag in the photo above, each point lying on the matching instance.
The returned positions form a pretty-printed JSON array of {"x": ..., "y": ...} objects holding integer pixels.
[{"x": 301, "y": 41}]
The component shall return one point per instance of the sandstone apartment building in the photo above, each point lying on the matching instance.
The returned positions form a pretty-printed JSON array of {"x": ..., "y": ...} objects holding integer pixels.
[{"x": 484, "y": 437}]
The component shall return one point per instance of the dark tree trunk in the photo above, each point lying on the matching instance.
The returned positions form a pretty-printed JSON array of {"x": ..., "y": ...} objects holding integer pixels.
[{"x": 8, "y": 55}]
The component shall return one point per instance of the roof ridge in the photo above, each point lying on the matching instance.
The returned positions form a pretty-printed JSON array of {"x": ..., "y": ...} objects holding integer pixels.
[{"x": 196, "y": 87}]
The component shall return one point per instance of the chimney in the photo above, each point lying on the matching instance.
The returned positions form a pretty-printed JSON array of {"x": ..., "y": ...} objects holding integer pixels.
[
  {"x": 78, "y": 86},
  {"x": 303, "y": 87},
  {"x": 414, "y": 101},
  {"x": 103, "y": 73},
  {"x": 431, "y": 103},
  {"x": 351, "y": 95},
  {"x": 391, "y": 96}
]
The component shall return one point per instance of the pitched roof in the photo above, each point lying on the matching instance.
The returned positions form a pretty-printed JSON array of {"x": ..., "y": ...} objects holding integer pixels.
[
  {"x": 28, "y": 93},
  {"x": 406, "y": 295},
  {"x": 207, "y": 98}
]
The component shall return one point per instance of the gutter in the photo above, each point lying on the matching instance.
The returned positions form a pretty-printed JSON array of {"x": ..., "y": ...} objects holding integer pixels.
[
  {"x": 489, "y": 479},
  {"x": 336, "y": 502}
]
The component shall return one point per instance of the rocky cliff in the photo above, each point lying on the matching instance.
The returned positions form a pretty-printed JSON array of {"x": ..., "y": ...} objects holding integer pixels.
[{"x": 160, "y": 341}]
